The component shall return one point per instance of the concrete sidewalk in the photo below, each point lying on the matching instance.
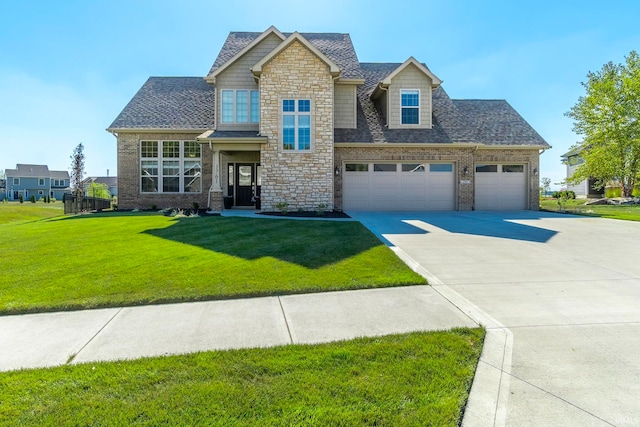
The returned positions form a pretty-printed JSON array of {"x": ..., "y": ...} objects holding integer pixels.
[{"x": 51, "y": 339}]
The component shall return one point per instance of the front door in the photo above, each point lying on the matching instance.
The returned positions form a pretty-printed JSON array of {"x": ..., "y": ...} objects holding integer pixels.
[{"x": 245, "y": 182}]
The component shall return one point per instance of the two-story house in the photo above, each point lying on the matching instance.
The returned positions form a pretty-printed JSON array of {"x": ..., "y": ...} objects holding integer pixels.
[
  {"x": 295, "y": 118},
  {"x": 573, "y": 159},
  {"x": 36, "y": 180}
]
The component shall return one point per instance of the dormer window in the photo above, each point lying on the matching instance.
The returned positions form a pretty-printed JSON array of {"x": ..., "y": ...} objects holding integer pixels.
[
  {"x": 240, "y": 106},
  {"x": 410, "y": 106}
]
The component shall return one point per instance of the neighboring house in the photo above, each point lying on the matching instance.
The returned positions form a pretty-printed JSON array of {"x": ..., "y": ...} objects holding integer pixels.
[
  {"x": 110, "y": 181},
  {"x": 585, "y": 188},
  {"x": 36, "y": 180},
  {"x": 3, "y": 189},
  {"x": 296, "y": 118}
]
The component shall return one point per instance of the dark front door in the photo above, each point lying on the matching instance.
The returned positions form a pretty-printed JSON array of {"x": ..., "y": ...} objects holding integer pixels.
[{"x": 245, "y": 182}]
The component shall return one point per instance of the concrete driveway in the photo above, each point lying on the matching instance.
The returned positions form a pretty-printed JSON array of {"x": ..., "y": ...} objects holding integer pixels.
[{"x": 560, "y": 296}]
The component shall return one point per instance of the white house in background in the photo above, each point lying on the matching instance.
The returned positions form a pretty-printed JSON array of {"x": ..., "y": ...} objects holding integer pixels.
[{"x": 585, "y": 188}]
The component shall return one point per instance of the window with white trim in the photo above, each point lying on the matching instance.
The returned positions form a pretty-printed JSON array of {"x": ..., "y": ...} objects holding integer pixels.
[
  {"x": 410, "y": 107},
  {"x": 170, "y": 167},
  {"x": 41, "y": 182},
  {"x": 16, "y": 181},
  {"x": 296, "y": 124},
  {"x": 240, "y": 106}
]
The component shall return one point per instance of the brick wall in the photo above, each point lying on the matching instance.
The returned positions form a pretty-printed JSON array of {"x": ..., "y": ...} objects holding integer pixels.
[
  {"x": 129, "y": 195},
  {"x": 304, "y": 180}
]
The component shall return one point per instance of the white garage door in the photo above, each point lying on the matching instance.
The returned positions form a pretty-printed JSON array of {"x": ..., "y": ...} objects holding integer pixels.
[
  {"x": 398, "y": 186},
  {"x": 500, "y": 187}
]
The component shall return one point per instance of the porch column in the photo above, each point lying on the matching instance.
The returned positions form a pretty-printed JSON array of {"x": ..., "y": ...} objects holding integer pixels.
[{"x": 215, "y": 180}]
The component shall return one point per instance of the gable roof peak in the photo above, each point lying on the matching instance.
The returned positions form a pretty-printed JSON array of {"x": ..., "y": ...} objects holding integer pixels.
[
  {"x": 435, "y": 81},
  {"x": 296, "y": 36},
  {"x": 266, "y": 33}
]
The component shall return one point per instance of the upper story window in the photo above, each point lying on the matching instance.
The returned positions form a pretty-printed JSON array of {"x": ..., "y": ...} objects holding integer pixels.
[
  {"x": 41, "y": 182},
  {"x": 240, "y": 106},
  {"x": 410, "y": 107},
  {"x": 296, "y": 124},
  {"x": 16, "y": 181},
  {"x": 170, "y": 167}
]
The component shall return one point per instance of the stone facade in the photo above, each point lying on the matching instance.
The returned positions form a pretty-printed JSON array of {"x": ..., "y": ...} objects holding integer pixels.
[
  {"x": 129, "y": 193},
  {"x": 304, "y": 180}
]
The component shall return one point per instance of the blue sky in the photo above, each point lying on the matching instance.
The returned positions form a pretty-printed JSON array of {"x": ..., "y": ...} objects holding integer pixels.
[{"x": 68, "y": 68}]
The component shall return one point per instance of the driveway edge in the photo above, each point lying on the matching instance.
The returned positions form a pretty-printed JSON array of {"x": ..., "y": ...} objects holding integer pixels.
[{"x": 489, "y": 393}]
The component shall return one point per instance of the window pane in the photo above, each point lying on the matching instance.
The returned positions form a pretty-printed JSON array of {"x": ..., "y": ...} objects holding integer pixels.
[
  {"x": 410, "y": 116},
  {"x": 513, "y": 168},
  {"x": 171, "y": 184},
  {"x": 412, "y": 167},
  {"x": 304, "y": 105},
  {"x": 384, "y": 167},
  {"x": 192, "y": 149},
  {"x": 192, "y": 177},
  {"x": 149, "y": 149},
  {"x": 410, "y": 98},
  {"x": 304, "y": 132},
  {"x": 255, "y": 106},
  {"x": 288, "y": 132},
  {"x": 230, "y": 173},
  {"x": 258, "y": 175},
  {"x": 288, "y": 105},
  {"x": 242, "y": 106},
  {"x": 149, "y": 168},
  {"x": 356, "y": 167},
  {"x": 170, "y": 149},
  {"x": 441, "y": 167},
  {"x": 227, "y": 106},
  {"x": 244, "y": 175},
  {"x": 486, "y": 168}
]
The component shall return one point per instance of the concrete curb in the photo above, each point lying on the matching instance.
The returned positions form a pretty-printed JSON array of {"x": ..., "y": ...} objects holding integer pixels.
[{"x": 489, "y": 396}]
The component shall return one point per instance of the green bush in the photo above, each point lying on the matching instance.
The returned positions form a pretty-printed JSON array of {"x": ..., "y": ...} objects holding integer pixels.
[
  {"x": 567, "y": 194},
  {"x": 32, "y": 199},
  {"x": 21, "y": 199}
]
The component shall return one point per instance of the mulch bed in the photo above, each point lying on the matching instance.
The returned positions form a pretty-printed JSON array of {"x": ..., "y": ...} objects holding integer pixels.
[{"x": 308, "y": 214}]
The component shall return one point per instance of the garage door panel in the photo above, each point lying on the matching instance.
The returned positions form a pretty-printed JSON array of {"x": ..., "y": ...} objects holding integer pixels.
[
  {"x": 500, "y": 187},
  {"x": 409, "y": 186}
]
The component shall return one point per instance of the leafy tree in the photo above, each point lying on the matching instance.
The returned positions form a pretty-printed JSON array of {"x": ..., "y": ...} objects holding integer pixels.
[
  {"x": 77, "y": 169},
  {"x": 96, "y": 189},
  {"x": 608, "y": 116}
]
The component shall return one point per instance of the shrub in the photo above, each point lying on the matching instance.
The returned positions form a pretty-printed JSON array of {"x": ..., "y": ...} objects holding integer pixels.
[
  {"x": 611, "y": 192},
  {"x": 566, "y": 194},
  {"x": 195, "y": 206},
  {"x": 21, "y": 199},
  {"x": 283, "y": 207},
  {"x": 32, "y": 199}
]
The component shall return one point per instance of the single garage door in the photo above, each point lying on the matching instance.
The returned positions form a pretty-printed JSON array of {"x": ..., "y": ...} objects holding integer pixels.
[
  {"x": 398, "y": 186},
  {"x": 500, "y": 187}
]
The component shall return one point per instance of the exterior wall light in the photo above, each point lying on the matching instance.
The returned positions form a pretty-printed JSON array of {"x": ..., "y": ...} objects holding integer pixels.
[
  {"x": 336, "y": 171},
  {"x": 535, "y": 171},
  {"x": 465, "y": 171}
]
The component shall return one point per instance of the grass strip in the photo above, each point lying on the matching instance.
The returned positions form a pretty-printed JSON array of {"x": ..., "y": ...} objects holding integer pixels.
[{"x": 416, "y": 379}]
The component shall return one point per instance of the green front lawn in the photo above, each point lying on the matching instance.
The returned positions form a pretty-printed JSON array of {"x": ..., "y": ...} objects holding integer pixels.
[
  {"x": 22, "y": 212},
  {"x": 116, "y": 259},
  {"x": 414, "y": 379},
  {"x": 578, "y": 207}
]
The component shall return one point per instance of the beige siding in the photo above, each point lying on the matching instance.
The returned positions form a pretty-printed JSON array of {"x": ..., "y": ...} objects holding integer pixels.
[
  {"x": 238, "y": 76},
  {"x": 304, "y": 180},
  {"x": 409, "y": 78},
  {"x": 345, "y": 106}
]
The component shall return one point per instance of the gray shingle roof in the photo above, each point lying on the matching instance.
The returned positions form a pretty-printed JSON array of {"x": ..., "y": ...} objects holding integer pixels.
[
  {"x": 336, "y": 46},
  {"x": 169, "y": 103},
  {"x": 491, "y": 122},
  {"x": 28, "y": 171}
]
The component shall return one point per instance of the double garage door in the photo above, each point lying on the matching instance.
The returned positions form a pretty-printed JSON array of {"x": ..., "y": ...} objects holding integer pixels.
[
  {"x": 430, "y": 186},
  {"x": 399, "y": 186}
]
